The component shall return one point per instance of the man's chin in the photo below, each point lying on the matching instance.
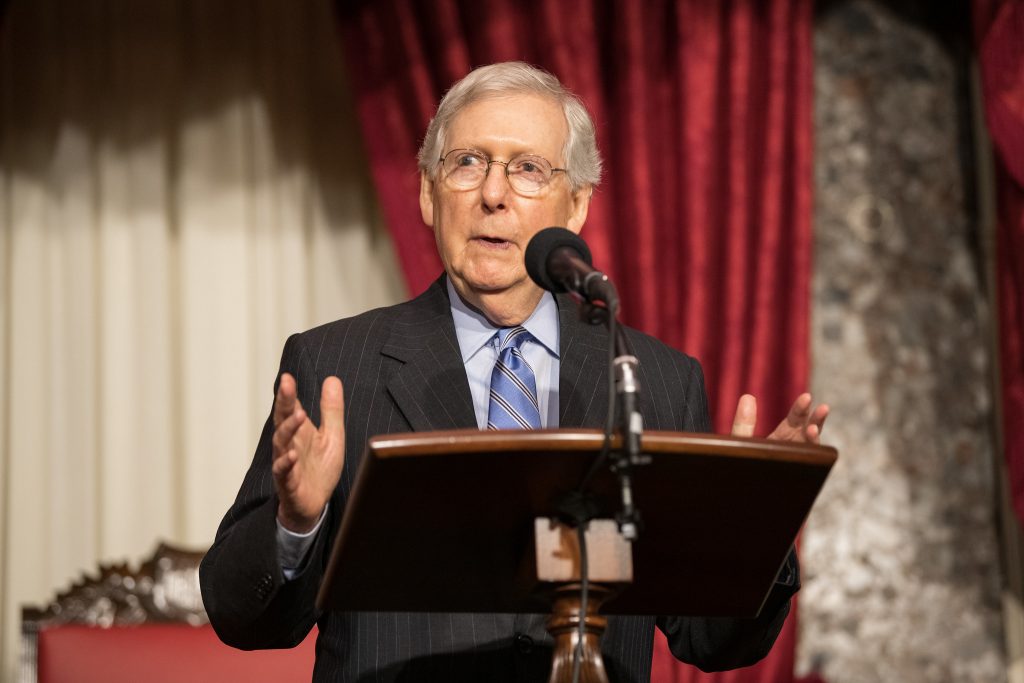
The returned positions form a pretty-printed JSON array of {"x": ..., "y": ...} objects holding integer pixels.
[
  {"x": 490, "y": 282},
  {"x": 491, "y": 287},
  {"x": 502, "y": 302},
  {"x": 488, "y": 288}
]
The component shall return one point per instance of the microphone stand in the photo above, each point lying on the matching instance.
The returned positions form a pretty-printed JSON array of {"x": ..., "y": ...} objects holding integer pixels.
[
  {"x": 623, "y": 406},
  {"x": 625, "y": 367},
  {"x": 631, "y": 427}
]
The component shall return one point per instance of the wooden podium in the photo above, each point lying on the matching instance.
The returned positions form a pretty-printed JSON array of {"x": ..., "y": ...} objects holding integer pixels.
[{"x": 448, "y": 522}]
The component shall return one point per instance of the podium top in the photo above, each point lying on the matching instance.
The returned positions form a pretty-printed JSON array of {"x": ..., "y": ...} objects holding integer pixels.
[{"x": 443, "y": 521}]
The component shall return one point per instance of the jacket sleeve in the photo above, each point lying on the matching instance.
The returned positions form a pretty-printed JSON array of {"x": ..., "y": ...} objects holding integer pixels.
[
  {"x": 249, "y": 603},
  {"x": 719, "y": 644}
]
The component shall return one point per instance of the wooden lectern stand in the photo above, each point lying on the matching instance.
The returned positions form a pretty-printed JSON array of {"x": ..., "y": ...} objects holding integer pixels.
[{"x": 458, "y": 521}]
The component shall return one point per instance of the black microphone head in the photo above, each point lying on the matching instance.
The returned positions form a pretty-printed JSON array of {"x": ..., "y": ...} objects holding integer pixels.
[{"x": 540, "y": 248}]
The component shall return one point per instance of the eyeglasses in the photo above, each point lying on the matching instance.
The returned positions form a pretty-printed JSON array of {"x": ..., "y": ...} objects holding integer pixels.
[{"x": 526, "y": 173}]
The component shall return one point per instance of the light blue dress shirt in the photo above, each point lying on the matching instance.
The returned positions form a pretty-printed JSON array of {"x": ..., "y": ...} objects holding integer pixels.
[{"x": 478, "y": 342}]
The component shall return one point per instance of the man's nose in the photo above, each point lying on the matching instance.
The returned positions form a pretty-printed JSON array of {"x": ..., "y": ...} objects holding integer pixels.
[{"x": 495, "y": 188}]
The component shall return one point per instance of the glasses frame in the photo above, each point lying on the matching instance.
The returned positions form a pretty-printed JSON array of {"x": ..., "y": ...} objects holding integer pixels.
[{"x": 489, "y": 161}]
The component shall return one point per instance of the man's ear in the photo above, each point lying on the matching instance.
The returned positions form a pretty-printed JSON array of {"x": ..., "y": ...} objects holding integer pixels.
[
  {"x": 579, "y": 206},
  {"x": 427, "y": 198}
]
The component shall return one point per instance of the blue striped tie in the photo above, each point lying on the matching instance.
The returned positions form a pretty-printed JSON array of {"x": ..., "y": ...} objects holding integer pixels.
[{"x": 513, "y": 385}]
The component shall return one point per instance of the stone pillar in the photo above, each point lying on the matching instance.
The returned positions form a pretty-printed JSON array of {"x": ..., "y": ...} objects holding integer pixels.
[{"x": 900, "y": 557}]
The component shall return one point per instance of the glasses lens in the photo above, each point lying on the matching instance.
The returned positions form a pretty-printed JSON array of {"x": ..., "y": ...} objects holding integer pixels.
[
  {"x": 464, "y": 167},
  {"x": 529, "y": 173}
]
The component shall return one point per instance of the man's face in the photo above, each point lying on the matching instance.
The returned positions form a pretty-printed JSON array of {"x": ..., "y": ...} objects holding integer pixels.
[{"x": 482, "y": 233}]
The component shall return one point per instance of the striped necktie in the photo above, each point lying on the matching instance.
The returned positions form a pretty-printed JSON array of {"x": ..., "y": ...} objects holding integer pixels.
[{"x": 513, "y": 385}]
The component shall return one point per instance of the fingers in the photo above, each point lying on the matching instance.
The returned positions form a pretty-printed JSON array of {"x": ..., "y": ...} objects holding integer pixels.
[
  {"x": 332, "y": 407},
  {"x": 284, "y": 463},
  {"x": 746, "y": 416},
  {"x": 804, "y": 422},
  {"x": 815, "y": 423},
  {"x": 812, "y": 434},
  {"x": 819, "y": 416},
  {"x": 287, "y": 398},
  {"x": 288, "y": 419},
  {"x": 799, "y": 411},
  {"x": 284, "y": 433}
]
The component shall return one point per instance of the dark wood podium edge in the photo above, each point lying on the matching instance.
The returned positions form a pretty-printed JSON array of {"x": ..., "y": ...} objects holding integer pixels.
[
  {"x": 461, "y": 441},
  {"x": 412, "y": 444}
]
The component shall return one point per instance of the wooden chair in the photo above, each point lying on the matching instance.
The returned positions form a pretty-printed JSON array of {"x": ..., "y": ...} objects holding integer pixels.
[{"x": 143, "y": 625}]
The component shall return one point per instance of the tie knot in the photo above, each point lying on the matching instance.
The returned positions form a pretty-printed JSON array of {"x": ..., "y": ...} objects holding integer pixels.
[{"x": 512, "y": 337}]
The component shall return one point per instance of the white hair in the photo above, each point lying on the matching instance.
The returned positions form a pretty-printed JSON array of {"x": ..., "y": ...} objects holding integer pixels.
[{"x": 582, "y": 159}]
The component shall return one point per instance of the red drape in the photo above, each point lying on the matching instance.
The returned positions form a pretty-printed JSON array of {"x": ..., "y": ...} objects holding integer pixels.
[
  {"x": 999, "y": 34},
  {"x": 704, "y": 117}
]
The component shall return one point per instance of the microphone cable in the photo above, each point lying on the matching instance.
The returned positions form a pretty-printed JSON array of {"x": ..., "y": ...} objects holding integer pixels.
[{"x": 581, "y": 524}]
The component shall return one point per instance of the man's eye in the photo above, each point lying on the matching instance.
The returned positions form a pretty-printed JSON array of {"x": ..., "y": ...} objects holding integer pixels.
[
  {"x": 468, "y": 160},
  {"x": 527, "y": 166}
]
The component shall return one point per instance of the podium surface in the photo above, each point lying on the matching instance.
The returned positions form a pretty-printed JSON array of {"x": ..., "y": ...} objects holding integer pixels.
[{"x": 443, "y": 521}]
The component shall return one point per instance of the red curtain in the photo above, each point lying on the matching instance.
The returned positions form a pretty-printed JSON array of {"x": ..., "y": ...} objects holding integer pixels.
[
  {"x": 999, "y": 35},
  {"x": 704, "y": 117}
]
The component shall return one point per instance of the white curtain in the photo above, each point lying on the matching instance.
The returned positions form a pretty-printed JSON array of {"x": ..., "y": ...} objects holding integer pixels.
[{"x": 182, "y": 186}]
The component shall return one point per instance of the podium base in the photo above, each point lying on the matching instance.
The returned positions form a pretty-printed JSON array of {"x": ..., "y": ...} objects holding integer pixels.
[{"x": 563, "y": 625}]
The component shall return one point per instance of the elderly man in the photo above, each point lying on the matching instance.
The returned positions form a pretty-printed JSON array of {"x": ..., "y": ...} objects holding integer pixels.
[{"x": 508, "y": 153}]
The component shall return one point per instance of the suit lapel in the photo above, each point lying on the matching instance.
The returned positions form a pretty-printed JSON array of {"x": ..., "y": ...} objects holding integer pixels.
[
  {"x": 430, "y": 389},
  {"x": 583, "y": 373}
]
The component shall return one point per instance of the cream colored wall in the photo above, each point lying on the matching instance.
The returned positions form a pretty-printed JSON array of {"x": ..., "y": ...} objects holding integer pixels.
[{"x": 182, "y": 187}]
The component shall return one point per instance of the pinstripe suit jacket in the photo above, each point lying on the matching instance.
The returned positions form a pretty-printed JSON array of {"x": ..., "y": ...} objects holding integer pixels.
[{"x": 402, "y": 371}]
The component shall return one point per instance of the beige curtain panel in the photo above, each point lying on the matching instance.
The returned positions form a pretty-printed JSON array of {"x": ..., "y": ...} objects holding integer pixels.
[{"x": 182, "y": 187}]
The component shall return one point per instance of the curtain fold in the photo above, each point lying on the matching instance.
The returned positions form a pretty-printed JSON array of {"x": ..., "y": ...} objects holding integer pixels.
[
  {"x": 182, "y": 186},
  {"x": 999, "y": 37},
  {"x": 704, "y": 117}
]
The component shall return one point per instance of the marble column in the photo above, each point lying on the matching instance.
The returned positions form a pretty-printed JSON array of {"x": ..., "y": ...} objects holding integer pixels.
[{"x": 901, "y": 577}]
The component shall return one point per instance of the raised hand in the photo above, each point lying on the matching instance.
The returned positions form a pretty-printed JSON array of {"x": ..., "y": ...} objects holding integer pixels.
[
  {"x": 803, "y": 423},
  {"x": 307, "y": 461}
]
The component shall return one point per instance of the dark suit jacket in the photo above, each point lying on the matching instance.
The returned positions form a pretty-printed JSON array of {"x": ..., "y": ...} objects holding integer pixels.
[{"x": 402, "y": 371}]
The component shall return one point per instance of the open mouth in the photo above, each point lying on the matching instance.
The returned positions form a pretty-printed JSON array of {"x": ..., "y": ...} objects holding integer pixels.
[{"x": 493, "y": 241}]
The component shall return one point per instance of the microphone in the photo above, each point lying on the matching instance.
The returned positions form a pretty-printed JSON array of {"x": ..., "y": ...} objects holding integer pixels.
[{"x": 558, "y": 260}]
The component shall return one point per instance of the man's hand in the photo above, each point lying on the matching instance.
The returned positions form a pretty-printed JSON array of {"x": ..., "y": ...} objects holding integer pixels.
[
  {"x": 307, "y": 461},
  {"x": 802, "y": 424}
]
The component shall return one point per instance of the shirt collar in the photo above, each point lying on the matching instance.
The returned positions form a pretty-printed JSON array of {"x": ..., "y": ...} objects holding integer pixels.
[{"x": 474, "y": 331}]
